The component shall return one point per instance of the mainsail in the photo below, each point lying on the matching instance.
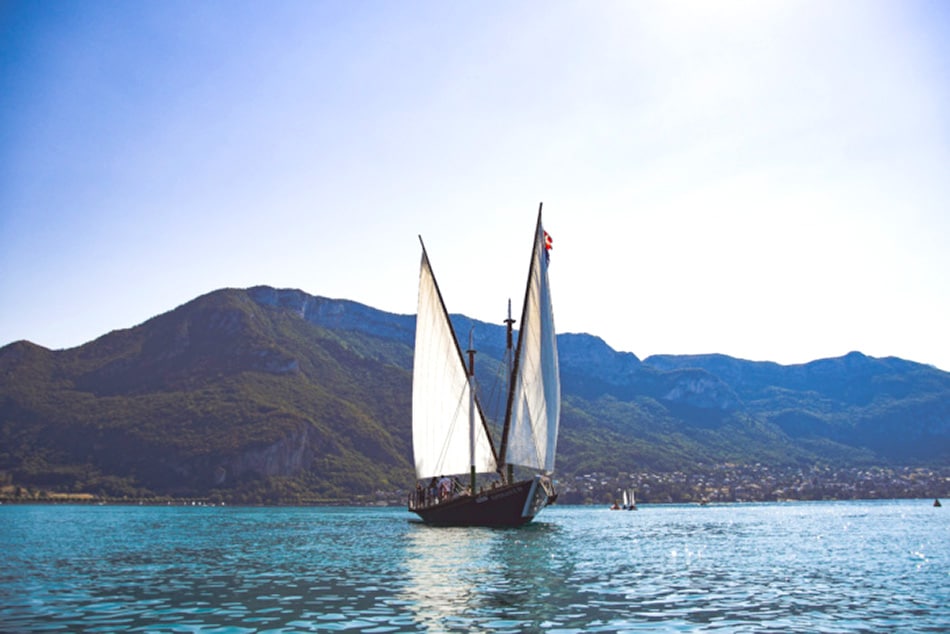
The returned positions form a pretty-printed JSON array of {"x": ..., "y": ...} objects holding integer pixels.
[
  {"x": 535, "y": 400},
  {"x": 442, "y": 402}
]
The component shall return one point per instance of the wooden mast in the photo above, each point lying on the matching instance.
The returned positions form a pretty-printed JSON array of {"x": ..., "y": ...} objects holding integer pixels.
[{"x": 471, "y": 408}]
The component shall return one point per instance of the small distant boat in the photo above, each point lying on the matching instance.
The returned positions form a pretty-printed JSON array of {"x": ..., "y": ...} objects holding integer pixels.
[
  {"x": 630, "y": 500},
  {"x": 450, "y": 433},
  {"x": 937, "y": 502}
]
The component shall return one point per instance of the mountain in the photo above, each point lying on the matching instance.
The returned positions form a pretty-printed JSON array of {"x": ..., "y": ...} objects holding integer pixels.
[
  {"x": 229, "y": 391},
  {"x": 897, "y": 409},
  {"x": 267, "y": 395}
]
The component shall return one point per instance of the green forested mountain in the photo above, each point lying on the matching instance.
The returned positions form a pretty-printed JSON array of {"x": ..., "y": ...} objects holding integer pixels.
[{"x": 266, "y": 395}]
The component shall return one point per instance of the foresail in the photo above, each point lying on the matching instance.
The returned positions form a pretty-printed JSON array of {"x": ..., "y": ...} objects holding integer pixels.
[
  {"x": 536, "y": 400},
  {"x": 441, "y": 393}
]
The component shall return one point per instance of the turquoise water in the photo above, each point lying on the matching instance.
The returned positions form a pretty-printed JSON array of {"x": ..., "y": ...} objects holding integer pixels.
[{"x": 807, "y": 567}]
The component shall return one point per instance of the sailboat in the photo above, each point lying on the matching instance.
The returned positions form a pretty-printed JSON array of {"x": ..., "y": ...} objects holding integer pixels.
[
  {"x": 630, "y": 500},
  {"x": 451, "y": 437}
]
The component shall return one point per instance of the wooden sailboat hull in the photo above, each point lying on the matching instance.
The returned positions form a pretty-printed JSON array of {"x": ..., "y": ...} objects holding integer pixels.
[{"x": 509, "y": 505}]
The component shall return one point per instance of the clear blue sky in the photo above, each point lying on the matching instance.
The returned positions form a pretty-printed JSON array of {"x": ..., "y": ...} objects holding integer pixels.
[{"x": 768, "y": 180}]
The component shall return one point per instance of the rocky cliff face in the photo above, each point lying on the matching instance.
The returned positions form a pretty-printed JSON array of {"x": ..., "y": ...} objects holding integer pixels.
[
  {"x": 289, "y": 456},
  {"x": 702, "y": 390}
]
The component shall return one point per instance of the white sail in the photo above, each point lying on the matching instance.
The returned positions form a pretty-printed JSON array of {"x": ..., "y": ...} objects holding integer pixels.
[
  {"x": 536, "y": 400},
  {"x": 441, "y": 394}
]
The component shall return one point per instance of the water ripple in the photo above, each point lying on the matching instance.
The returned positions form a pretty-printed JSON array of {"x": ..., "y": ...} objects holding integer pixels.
[{"x": 826, "y": 567}]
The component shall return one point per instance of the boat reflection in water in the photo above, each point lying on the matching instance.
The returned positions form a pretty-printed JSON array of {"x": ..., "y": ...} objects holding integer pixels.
[
  {"x": 444, "y": 570},
  {"x": 479, "y": 578}
]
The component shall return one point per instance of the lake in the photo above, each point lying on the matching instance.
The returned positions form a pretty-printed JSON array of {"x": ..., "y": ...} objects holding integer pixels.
[{"x": 807, "y": 567}]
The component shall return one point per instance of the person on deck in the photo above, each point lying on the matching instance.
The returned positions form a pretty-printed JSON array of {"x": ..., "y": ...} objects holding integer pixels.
[{"x": 445, "y": 488}]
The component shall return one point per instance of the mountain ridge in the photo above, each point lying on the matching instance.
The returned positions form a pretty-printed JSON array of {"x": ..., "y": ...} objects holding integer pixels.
[{"x": 275, "y": 395}]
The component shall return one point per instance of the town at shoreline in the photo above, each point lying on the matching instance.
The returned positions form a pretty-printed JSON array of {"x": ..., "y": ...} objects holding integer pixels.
[{"x": 725, "y": 483}]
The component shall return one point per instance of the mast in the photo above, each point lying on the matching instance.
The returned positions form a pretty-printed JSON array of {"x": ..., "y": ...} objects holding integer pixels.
[
  {"x": 502, "y": 453},
  {"x": 507, "y": 475},
  {"x": 509, "y": 322},
  {"x": 471, "y": 404}
]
